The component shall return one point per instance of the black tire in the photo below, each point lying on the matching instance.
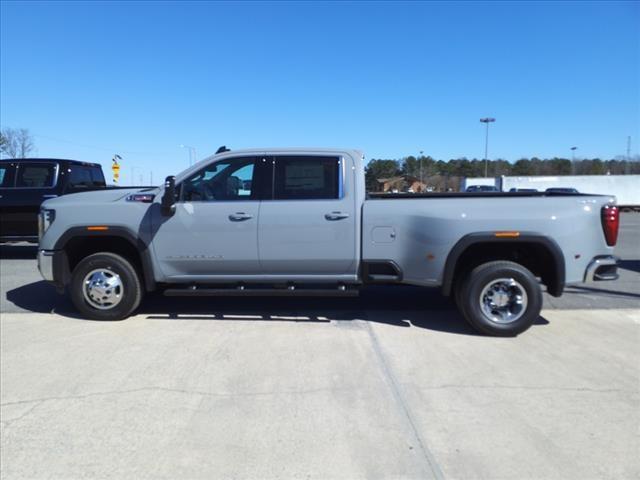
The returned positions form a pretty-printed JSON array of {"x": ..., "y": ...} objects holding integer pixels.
[
  {"x": 469, "y": 291},
  {"x": 129, "y": 289}
]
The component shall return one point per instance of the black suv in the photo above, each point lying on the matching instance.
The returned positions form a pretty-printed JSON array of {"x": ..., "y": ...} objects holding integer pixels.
[{"x": 26, "y": 182}]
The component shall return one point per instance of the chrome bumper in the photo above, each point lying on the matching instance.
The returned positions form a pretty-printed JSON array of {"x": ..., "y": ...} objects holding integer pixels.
[
  {"x": 602, "y": 269},
  {"x": 45, "y": 264}
]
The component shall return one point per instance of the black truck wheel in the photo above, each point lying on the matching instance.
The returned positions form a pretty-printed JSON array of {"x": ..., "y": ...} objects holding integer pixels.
[
  {"x": 105, "y": 286},
  {"x": 500, "y": 298}
]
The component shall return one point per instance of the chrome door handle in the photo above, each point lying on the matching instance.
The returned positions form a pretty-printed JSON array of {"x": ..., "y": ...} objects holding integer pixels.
[
  {"x": 240, "y": 217},
  {"x": 336, "y": 216}
]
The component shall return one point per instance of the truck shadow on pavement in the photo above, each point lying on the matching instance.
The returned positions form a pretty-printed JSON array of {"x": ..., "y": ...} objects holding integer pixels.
[
  {"x": 398, "y": 306},
  {"x": 631, "y": 265}
]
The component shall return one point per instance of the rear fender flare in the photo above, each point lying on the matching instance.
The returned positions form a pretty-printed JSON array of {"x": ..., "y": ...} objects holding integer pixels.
[{"x": 490, "y": 237}]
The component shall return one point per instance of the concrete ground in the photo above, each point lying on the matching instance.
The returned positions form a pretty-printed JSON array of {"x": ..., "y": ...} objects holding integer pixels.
[
  {"x": 308, "y": 397},
  {"x": 389, "y": 385}
]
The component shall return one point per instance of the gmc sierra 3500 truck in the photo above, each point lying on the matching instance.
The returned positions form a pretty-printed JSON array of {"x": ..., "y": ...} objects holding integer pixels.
[{"x": 299, "y": 222}]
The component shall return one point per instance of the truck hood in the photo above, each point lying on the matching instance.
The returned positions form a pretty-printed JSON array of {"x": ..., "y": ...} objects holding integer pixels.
[{"x": 106, "y": 195}]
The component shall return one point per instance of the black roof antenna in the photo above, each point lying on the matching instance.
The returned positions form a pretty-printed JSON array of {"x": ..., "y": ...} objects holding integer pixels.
[{"x": 223, "y": 149}]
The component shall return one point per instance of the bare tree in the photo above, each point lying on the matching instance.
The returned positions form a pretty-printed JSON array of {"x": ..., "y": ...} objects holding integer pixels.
[{"x": 16, "y": 142}]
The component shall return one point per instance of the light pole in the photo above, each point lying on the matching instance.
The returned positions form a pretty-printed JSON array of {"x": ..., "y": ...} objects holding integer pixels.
[
  {"x": 133, "y": 169},
  {"x": 487, "y": 121},
  {"x": 192, "y": 153},
  {"x": 421, "y": 181},
  {"x": 573, "y": 160}
]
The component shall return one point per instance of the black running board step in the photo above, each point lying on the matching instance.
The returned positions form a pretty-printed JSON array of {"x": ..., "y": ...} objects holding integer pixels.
[
  {"x": 248, "y": 292},
  {"x": 375, "y": 277}
]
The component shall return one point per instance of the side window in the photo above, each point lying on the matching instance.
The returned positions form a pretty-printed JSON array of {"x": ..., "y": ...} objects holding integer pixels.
[
  {"x": 312, "y": 178},
  {"x": 79, "y": 177},
  {"x": 230, "y": 179},
  {"x": 7, "y": 173},
  {"x": 98, "y": 177},
  {"x": 36, "y": 175},
  {"x": 85, "y": 177}
]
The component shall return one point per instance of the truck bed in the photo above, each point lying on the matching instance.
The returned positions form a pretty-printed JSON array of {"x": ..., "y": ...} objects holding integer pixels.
[
  {"x": 419, "y": 234},
  {"x": 413, "y": 196}
]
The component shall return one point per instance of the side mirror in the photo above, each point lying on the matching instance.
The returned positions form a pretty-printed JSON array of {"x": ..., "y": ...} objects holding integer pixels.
[{"x": 169, "y": 197}]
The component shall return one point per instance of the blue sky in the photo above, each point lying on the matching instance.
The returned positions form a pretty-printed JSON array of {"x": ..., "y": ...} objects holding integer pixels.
[{"x": 139, "y": 79}]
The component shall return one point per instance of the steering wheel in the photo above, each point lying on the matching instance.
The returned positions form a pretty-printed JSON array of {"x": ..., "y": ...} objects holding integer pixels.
[{"x": 209, "y": 191}]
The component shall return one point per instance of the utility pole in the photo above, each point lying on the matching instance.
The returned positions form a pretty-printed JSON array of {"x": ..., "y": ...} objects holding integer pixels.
[
  {"x": 486, "y": 121},
  {"x": 132, "y": 180}
]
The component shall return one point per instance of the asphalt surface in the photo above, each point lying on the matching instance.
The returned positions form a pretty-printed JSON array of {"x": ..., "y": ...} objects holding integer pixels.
[{"x": 389, "y": 385}]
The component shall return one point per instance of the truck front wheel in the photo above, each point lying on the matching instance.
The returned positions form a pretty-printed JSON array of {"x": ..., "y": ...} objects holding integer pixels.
[
  {"x": 500, "y": 298},
  {"x": 105, "y": 286}
]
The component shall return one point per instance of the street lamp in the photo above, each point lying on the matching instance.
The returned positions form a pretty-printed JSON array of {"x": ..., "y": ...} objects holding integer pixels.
[
  {"x": 133, "y": 169},
  {"x": 421, "y": 181},
  {"x": 487, "y": 121},
  {"x": 573, "y": 153},
  {"x": 192, "y": 153}
]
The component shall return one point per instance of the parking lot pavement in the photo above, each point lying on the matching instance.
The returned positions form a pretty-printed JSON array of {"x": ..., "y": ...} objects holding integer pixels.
[{"x": 200, "y": 396}]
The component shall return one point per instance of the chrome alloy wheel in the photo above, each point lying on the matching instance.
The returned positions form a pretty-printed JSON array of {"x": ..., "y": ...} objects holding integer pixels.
[
  {"x": 503, "y": 300},
  {"x": 102, "y": 289}
]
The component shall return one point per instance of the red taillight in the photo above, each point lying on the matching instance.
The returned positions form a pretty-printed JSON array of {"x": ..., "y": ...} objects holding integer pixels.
[{"x": 610, "y": 223}]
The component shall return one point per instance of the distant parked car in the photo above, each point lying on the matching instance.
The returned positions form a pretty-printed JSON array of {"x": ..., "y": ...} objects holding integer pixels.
[
  {"x": 27, "y": 182},
  {"x": 561, "y": 190},
  {"x": 482, "y": 188},
  {"x": 529, "y": 190}
]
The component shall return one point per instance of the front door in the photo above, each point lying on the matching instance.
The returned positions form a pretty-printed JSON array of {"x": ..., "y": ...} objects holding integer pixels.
[{"x": 213, "y": 232}]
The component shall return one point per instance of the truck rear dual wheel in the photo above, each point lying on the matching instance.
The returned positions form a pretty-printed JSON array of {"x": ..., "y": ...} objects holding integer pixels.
[
  {"x": 500, "y": 298},
  {"x": 105, "y": 286}
]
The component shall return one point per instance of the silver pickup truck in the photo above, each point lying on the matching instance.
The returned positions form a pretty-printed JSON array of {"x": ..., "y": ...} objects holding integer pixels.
[{"x": 299, "y": 222}]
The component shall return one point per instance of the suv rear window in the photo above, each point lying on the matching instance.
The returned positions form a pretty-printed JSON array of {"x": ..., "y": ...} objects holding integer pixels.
[
  {"x": 307, "y": 178},
  {"x": 36, "y": 175}
]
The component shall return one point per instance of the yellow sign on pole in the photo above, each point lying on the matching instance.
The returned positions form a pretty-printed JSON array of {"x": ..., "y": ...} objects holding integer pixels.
[{"x": 115, "y": 168}]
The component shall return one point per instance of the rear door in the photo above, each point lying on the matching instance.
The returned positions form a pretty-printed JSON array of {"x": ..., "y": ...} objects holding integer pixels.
[{"x": 308, "y": 227}]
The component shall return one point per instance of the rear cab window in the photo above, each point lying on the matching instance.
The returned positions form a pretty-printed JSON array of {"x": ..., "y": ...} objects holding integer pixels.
[
  {"x": 36, "y": 175},
  {"x": 307, "y": 178}
]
